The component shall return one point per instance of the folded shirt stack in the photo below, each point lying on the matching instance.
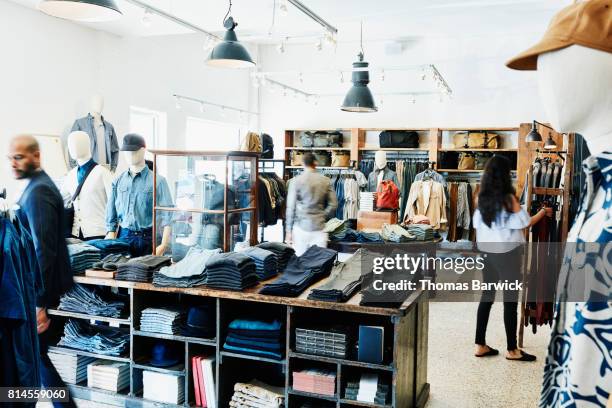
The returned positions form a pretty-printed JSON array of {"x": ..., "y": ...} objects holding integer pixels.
[
  {"x": 256, "y": 394},
  {"x": 188, "y": 272},
  {"x": 301, "y": 272},
  {"x": 366, "y": 201},
  {"x": 283, "y": 253},
  {"x": 421, "y": 232},
  {"x": 141, "y": 269},
  {"x": 231, "y": 270},
  {"x": 162, "y": 320},
  {"x": 71, "y": 367},
  {"x": 108, "y": 375},
  {"x": 94, "y": 339},
  {"x": 111, "y": 262},
  {"x": 343, "y": 282},
  {"x": 81, "y": 299},
  {"x": 111, "y": 246},
  {"x": 266, "y": 265},
  {"x": 253, "y": 337},
  {"x": 162, "y": 387},
  {"x": 82, "y": 256},
  {"x": 334, "y": 226},
  {"x": 316, "y": 381},
  {"x": 395, "y": 233}
]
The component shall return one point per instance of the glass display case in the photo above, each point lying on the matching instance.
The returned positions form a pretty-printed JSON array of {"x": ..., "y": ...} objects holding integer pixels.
[{"x": 212, "y": 199}]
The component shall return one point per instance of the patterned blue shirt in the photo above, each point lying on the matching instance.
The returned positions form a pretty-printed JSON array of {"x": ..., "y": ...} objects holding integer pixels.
[{"x": 130, "y": 204}]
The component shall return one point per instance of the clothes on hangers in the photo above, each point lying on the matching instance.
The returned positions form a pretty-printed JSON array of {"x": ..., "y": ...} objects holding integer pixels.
[
  {"x": 460, "y": 210},
  {"x": 428, "y": 198},
  {"x": 273, "y": 196}
]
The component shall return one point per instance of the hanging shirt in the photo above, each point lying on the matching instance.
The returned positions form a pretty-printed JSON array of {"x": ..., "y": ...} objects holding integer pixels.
[
  {"x": 110, "y": 145},
  {"x": 101, "y": 141}
]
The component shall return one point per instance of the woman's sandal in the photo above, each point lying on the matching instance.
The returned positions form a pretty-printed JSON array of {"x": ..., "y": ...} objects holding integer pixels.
[
  {"x": 490, "y": 352},
  {"x": 524, "y": 357}
]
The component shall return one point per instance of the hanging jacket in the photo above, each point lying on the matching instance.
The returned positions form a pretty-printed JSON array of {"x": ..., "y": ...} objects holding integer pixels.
[
  {"x": 388, "y": 174},
  {"x": 427, "y": 198}
]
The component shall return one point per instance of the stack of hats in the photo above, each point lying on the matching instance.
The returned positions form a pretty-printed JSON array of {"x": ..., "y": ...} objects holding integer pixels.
[
  {"x": 200, "y": 322},
  {"x": 369, "y": 389},
  {"x": 111, "y": 246},
  {"x": 141, "y": 269},
  {"x": 71, "y": 367},
  {"x": 108, "y": 375},
  {"x": 253, "y": 337},
  {"x": 82, "y": 257},
  {"x": 256, "y": 394},
  {"x": 231, "y": 270},
  {"x": 161, "y": 320},
  {"x": 188, "y": 272},
  {"x": 283, "y": 253},
  {"x": 266, "y": 264},
  {"x": 164, "y": 355},
  {"x": 316, "y": 381}
]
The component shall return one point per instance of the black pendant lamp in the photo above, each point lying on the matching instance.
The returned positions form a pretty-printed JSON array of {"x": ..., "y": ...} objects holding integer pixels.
[
  {"x": 359, "y": 98},
  {"x": 230, "y": 53},
  {"x": 88, "y": 11},
  {"x": 550, "y": 143},
  {"x": 534, "y": 135}
]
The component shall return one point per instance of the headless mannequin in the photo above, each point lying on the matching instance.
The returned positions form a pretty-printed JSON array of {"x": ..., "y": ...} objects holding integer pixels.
[
  {"x": 97, "y": 106},
  {"x": 137, "y": 163},
  {"x": 79, "y": 147},
  {"x": 380, "y": 160}
]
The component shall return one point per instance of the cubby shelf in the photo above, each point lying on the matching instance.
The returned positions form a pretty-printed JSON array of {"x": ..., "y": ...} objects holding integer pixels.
[
  {"x": 313, "y": 395},
  {"x": 174, "y": 337},
  {"x": 254, "y": 358},
  {"x": 67, "y": 350},
  {"x": 75, "y": 315},
  {"x": 341, "y": 361},
  {"x": 363, "y": 404},
  {"x": 178, "y": 369}
]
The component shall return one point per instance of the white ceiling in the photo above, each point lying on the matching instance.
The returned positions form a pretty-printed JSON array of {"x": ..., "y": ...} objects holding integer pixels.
[{"x": 383, "y": 19}]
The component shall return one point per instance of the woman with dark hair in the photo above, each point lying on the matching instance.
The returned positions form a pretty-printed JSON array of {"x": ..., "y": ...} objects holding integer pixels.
[{"x": 500, "y": 222}]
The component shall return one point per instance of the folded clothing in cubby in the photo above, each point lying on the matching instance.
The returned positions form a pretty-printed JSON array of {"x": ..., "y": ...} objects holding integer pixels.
[
  {"x": 316, "y": 381},
  {"x": 94, "y": 339},
  {"x": 253, "y": 337},
  {"x": 332, "y": 342},
  {"x": 141, "y": 269},
  {"x": 256, "y": 394},
  {"x": 231, "y": 270},
  {"x": 283, "y": 253},
  {"x": 71, "y": 367},
  {"x": 369, "y": 388},
  {"x": 163, "y": 387},
  {"x": 162, "y": 320},
  {"x": 81, "y": 299},
  {"x": 302, "y": 272},
  {"x": 108, "y": 375}
]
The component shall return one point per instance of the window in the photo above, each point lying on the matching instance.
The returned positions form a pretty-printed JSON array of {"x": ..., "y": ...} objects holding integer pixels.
[
  {"x": 204, "y": 134},
  {"x": 149, "y": 124}
]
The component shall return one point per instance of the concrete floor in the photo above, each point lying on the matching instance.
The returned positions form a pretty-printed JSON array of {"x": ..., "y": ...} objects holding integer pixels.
[{"x": 460, "y": 380}]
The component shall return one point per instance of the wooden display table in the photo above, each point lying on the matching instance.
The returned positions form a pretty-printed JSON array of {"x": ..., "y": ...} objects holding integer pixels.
[{"x": 405, "y": 330}]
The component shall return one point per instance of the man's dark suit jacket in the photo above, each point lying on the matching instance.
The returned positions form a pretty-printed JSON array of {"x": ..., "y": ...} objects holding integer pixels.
[{"x": 42, "y": 212}]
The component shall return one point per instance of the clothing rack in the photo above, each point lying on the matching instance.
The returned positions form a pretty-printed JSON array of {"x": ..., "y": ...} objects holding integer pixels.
[{"x": 271, "y": 166}]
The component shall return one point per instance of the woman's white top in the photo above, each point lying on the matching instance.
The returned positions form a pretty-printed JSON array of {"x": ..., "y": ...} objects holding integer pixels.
[{"x": 505, "y": 233}]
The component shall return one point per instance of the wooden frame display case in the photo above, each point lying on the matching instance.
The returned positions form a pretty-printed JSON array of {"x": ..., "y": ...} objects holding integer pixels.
[{"x": 214, "y": 198}]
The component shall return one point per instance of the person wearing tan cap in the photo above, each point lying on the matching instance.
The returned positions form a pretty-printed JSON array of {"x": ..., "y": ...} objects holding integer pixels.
[{"x": 574, "y": 67}]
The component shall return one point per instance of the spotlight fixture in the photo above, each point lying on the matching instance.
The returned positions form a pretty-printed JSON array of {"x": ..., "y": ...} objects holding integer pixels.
[
  {"x": 550, "y": 144},
  {"x": 89, "y": 11},
  {"x": 282, "y": 7},
  {"x": 359, "y": 98},
  {"x": 230, "y": 53},
  {"x": 177, "y": 102}
]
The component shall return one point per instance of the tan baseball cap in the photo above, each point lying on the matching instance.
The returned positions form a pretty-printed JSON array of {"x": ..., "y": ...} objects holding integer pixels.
[{"x": 587, "y": 23}]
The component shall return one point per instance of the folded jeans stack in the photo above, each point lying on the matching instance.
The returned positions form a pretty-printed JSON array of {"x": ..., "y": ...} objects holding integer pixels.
[
  {"x": 141, "y": 269},
  {"x": 188, "y": 272},
  {"x": 80, "y": 299},
  {"x": 256, "y": 394},
  {"x": 110, "y": 246},
  {"x": 111, "y": 262},
  {"x": 82, "y": 256},
  {"x": 350, "y": 235},
  {"x": 283, "y": 253},
  {"x": 421, "y": 232},
  {"x": 262, "y": 339},
  {"x": 94, "y": 339},
  {"x": 266, "y": 264},
  {"x": 301, "y": 272},
  {"x": 316, "y": 381},
  {"x": 343, "y": 282},
  {"x": 395, "y": 233},
  {"x": 231, "y": 270},
  {"x": 162, "y": 320}
]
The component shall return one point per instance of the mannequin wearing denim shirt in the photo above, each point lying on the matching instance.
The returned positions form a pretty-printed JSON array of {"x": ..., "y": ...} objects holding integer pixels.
[{"x": 86, "y": 124}]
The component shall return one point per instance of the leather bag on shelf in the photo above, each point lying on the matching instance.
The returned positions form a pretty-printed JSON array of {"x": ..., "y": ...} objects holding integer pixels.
[
  {"x": 322, "y": 158},
  {"x": 335, "y": 139},
  {"x": 476, "y": 140},
  {"x": 449, "y": 160},
  {"x": 340, "y": 159},
  {"x": 307, "y": 139},
  {"x": 481, "y": 159},
  {"x": 466, "y": 161},
  {"x": 398, "y": 139},
  {"x": 321, "y": 139},
  {"x": 388, "y": 195},
  {"x": 296, "y": 158}
]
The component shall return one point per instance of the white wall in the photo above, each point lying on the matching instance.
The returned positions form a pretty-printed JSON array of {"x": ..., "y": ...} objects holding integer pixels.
[
  {"x": 52, "y": 67},
  {"x": 486, "y": 93}
]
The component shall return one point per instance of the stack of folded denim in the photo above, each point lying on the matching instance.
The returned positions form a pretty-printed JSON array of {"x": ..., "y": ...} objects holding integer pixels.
[
  {"x": 82, "y": 300},
  {"x": 110, "y": 246},
  {"x": 111, "y": 262},
  {"x": 82, "y": 256},
  {"x": 141, "y": 269},
  {"x": 94, "y": 339},
  {"x": 395, "y": 233},
  {"x": 283, "y": 253},
  {"x": 266, "y": 264},
  {"x": 334, "y": 226},
  {"x": 256, "y": 394},
  {"x": 231, "y": 270},
  {"x": 253, "y": 337},
  {"x": 188, "y": 272},
  {"x": 421, "y": 232},
  {"x": 344, "y": 280},
  {"x": 301, "y": 272},
  {"x": 162, "y": 320},
  {"x": 350, "y": 235}
]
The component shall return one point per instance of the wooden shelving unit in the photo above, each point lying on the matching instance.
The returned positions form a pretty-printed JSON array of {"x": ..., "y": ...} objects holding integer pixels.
[{"x": 405, "y": 364}]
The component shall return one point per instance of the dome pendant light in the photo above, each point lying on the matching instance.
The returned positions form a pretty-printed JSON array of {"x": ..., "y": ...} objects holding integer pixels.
[
  {"x": 88, "y": 11},
  {"x": 534, "y": 135},
  {"x": 550, "y": 143},
  {"x": 359, "y": 98},
  {"x": 230, "y": 53}
]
